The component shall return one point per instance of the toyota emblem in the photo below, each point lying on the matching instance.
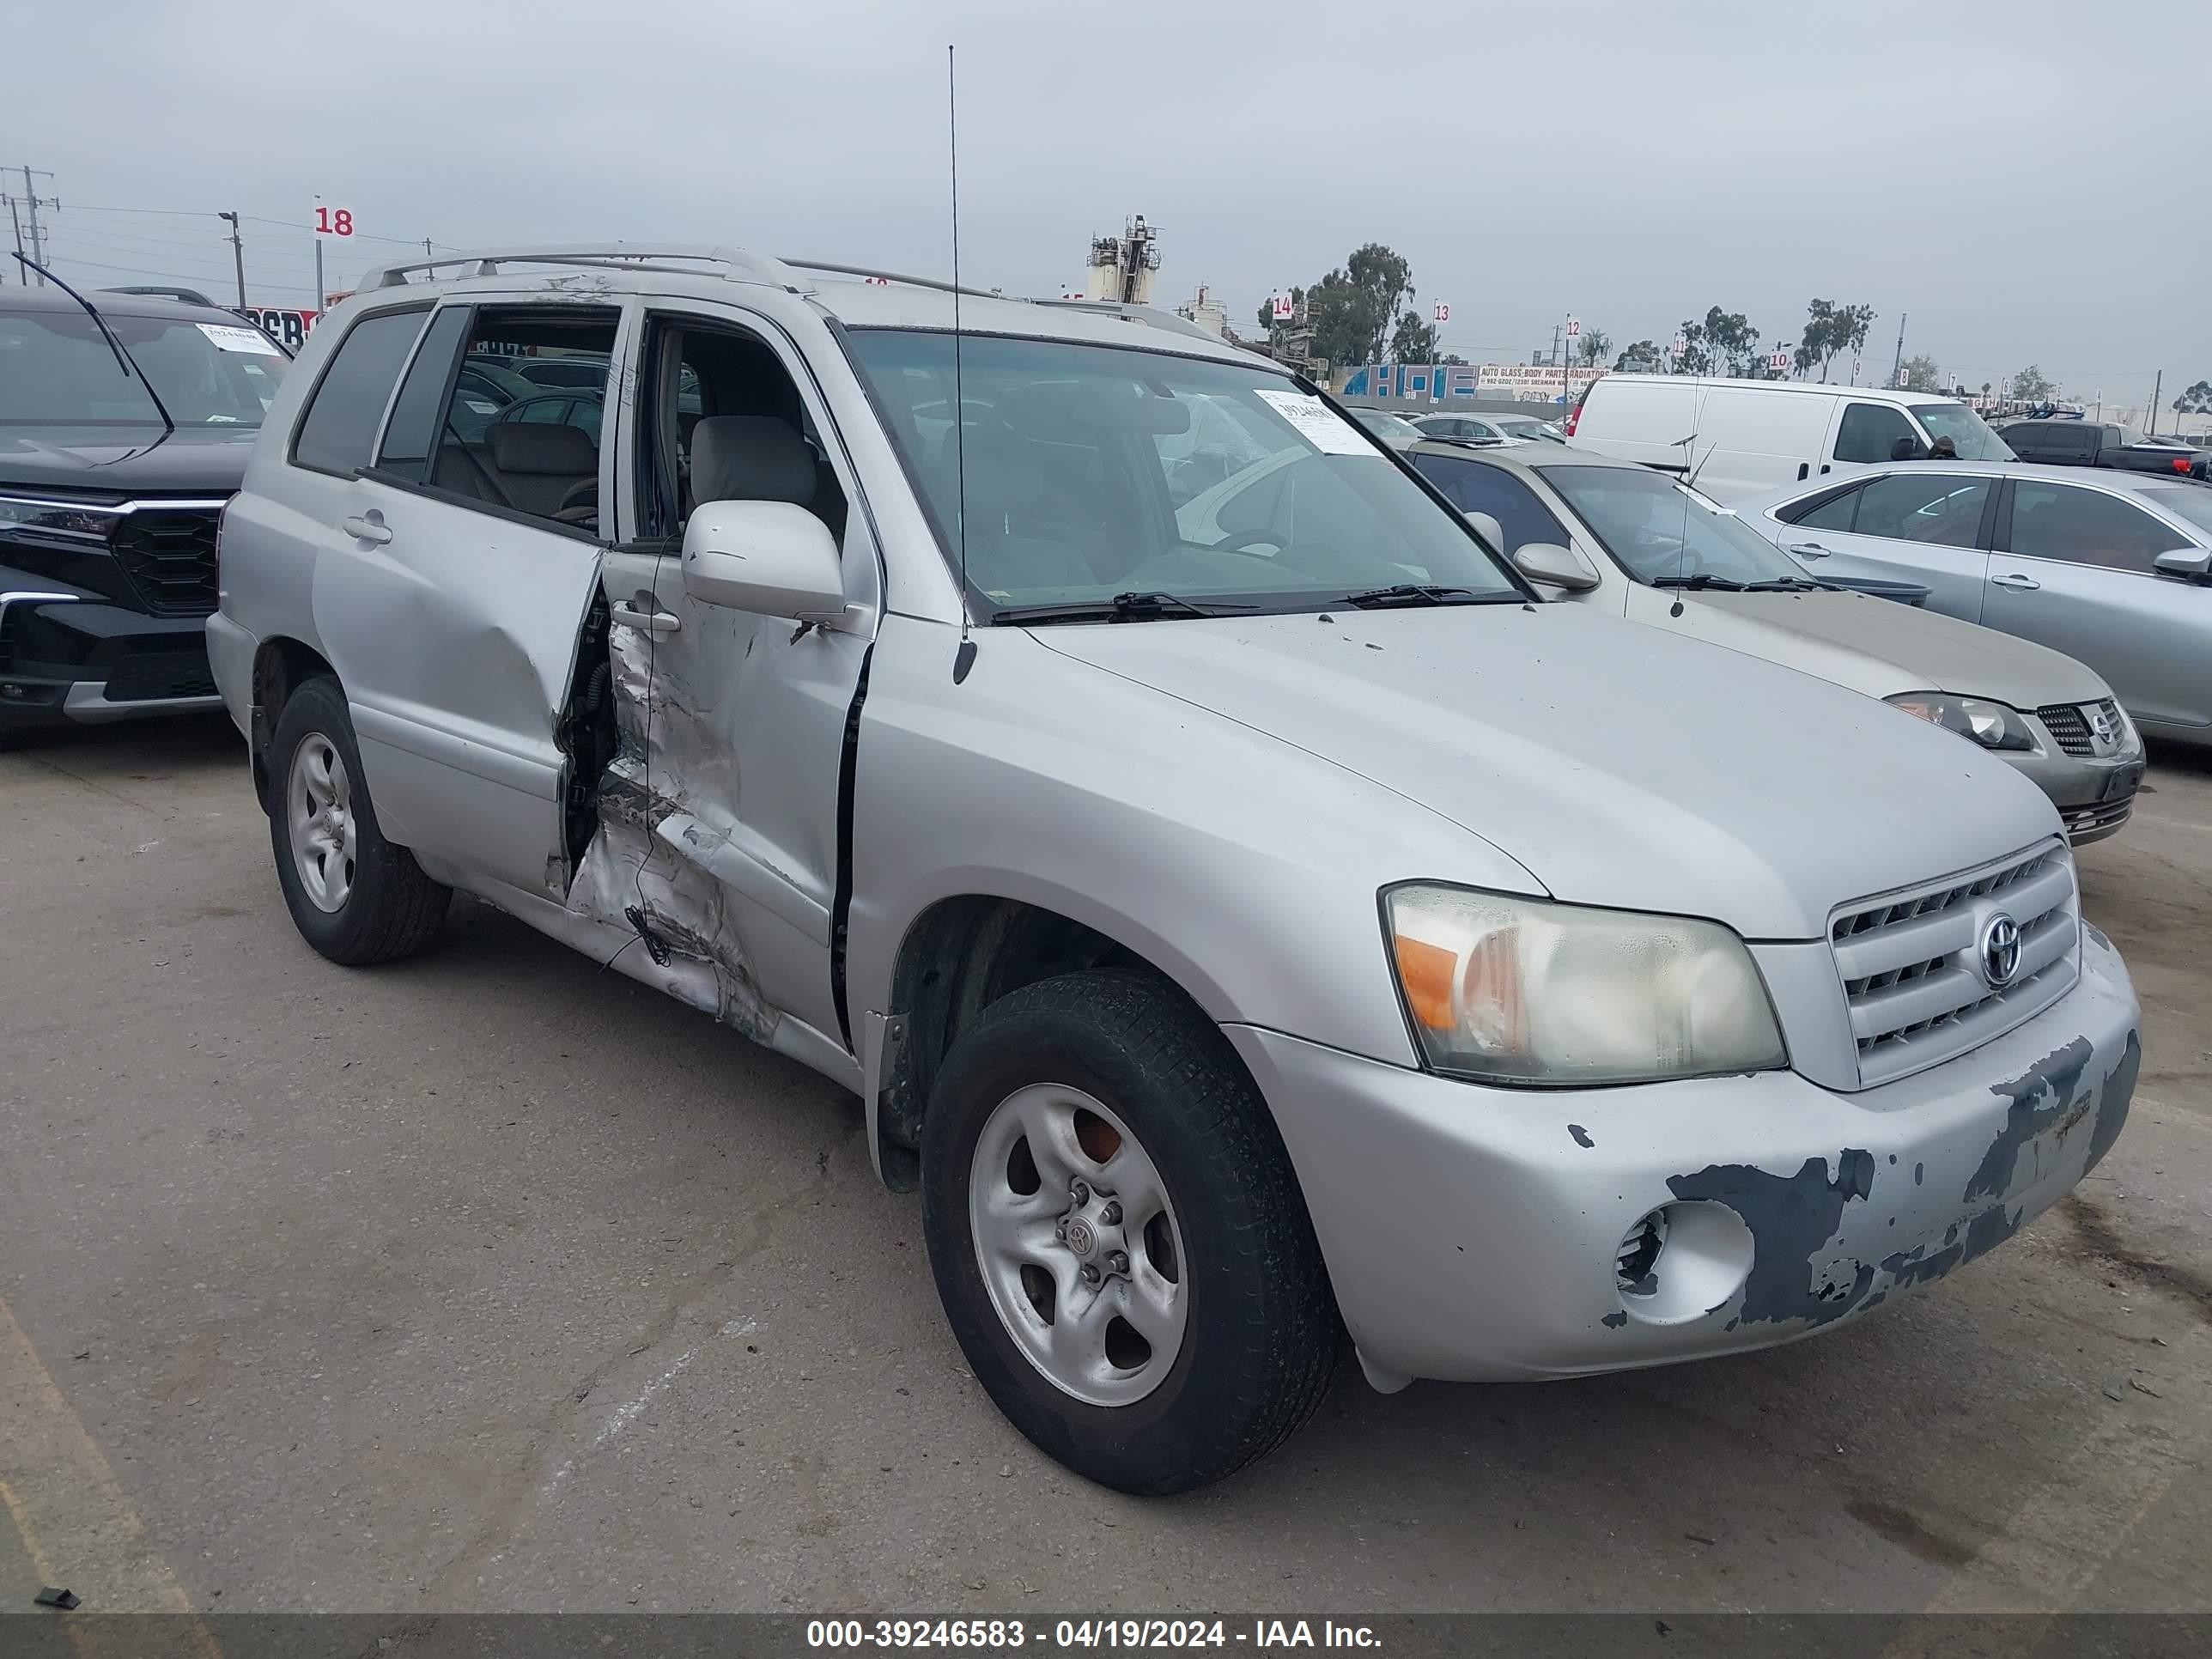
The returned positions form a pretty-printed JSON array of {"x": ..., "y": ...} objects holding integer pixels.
[{"x": 2000, "y": 950}]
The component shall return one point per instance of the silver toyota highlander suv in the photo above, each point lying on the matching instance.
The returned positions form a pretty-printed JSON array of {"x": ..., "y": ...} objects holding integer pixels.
[{"x": 1246, "y": 915}]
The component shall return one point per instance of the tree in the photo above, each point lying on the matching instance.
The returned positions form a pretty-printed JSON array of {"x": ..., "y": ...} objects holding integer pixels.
[
  {"x": 1592, "y": 346},
  {"x": 1725, "y": 343},
  {"x": 2030, "y": 387},
  {"x": 1642, "y": 358},
  {"x": 1412, "y": 341},
  {"x": 2197, "y": 400},
  {"x": 1921, "y": 374},
  {"x": 1355, "y": 308},
  {"x": 1831, "y": 330}
]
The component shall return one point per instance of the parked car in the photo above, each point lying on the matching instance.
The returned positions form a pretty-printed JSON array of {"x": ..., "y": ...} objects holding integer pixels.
[
  {"x": 1489, "y": 429},
  {"x": 2107, "y": 567},
  {"x": 1393, "y": 429},
  {"x": 2102, "y": 443},
  {"x": 586, "y": 373},
  {"x": 1236, "y": 918},
  {"x": 1636, "y": 543},
  {"x": 119, "y": 447},
  {"x": 1747, "y": 437}
]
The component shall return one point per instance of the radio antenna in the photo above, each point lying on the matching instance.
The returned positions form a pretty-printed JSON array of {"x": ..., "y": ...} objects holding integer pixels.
[{"x": 964, "y": 658}]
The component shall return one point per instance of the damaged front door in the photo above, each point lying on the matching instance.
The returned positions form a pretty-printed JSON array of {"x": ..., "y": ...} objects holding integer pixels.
[
  {"x": 460, "y": 570},
  {"x": 720, "y": 818}
]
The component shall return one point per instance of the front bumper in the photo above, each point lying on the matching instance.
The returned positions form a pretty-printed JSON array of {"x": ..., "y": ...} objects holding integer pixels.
[
  {"x": 1475, "y": 1232},
  {"x": 67, "y": 659},
  {"x": 2094, "y": 794}
]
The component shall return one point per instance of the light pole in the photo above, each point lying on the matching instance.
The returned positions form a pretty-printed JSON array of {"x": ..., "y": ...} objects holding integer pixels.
[{"x": 237, "y": 255}]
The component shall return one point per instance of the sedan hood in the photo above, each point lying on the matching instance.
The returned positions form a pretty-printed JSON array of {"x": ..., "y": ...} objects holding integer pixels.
[
  {"x": 1619, "y": 765},
  {"x": 1880, "y": 647},
  {"x": 125, "y": 460}
]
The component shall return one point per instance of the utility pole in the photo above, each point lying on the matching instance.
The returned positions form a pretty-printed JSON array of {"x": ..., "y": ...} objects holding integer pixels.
[
  {"x": 32, "y": 203},
  {"x": 426, "y": 248},
  {"x": 18, "y": 220},
  {"x": 1897, "y": 368},
  {"x": 237, "y": 256},
  {"x": 2157, "y": 386}
]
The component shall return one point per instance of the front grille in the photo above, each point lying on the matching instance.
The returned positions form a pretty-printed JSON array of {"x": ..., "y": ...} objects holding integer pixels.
[
  {"x": 168, "y": 553},
  {"x": 2069, "y": 724},
  {"x": 147, "y": 676},
  {"x": 1910, "y": 961}
]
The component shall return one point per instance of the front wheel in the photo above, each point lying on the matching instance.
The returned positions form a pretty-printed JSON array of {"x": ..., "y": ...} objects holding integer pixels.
[
  {"x": 1118, "y": 1237},
  {"x": 354, "y": 896}
]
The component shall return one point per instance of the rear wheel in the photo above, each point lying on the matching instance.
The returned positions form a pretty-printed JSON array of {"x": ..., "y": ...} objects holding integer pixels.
[
  {"x": 1117, "y": 1235},
  {"x": 354, "y": 896}
]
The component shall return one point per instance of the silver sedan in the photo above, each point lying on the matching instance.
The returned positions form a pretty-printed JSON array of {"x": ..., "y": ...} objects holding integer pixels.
[{"x": 2108, "y": 567}]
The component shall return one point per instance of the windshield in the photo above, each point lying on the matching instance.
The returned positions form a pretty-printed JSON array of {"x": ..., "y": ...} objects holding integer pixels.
[
  {"x": 56, "y": 369},
  {"x": 2190, "y": 503},
  {"x": 1659, "y": 529},
  {"x": 1096, "y": 471},
  {"x": 1971, "y": 436},
  {"x": 1527, "y": 430},
  {"x": 1391, "y": 428}
]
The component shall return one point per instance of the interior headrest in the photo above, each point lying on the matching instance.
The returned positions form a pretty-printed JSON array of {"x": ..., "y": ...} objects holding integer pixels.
[
  {"x": 750, "y": 457},
  {"x": 520, "y": 447}
]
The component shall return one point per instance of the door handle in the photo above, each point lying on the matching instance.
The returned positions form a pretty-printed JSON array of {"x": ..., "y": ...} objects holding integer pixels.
[
  {"x": 368, "y": 528},
  {"x": 645, "y": 621},
  {"x": 1807, "y": 550},
  {"x": 2018, "y": 583}
]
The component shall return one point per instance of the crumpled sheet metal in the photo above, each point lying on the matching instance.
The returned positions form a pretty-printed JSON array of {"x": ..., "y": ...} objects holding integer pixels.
[{"x": 665, "y": 767}]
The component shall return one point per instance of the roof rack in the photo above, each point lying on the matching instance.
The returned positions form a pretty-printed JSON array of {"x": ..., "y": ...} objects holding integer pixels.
[
  {"x": 895, "y": 277},
  {"x": 1137, "y": 313},
  {"x": 736, "y": 264}
]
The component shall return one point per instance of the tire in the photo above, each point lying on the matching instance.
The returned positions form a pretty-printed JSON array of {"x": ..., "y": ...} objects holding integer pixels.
[
  {"x": 385, "y": 907},
  {"x": 1258, "y": 1338}
]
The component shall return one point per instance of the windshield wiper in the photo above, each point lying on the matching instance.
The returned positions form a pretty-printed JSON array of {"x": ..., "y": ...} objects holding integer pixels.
[
  {"x": 1703, "y": 579},
  {"x": 1122, "y": 607},
  {"x": 1784, "y": 585},
  {"x": 1407, "y": 593},
  {"x": 124, "y": 359}
]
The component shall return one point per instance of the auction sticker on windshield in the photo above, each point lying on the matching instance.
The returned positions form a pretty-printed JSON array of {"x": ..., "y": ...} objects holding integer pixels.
[
  {"x": 229, "y": 339},
  {"x": 1317, "y": 423}
]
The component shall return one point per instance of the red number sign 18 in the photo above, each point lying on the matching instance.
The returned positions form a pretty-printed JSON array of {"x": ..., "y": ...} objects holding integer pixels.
[{"x": 333, "y": 221}]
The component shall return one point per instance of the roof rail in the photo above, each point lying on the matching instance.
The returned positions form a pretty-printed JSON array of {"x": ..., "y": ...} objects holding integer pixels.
[
  {"x": 1136, "y": 313},
  {"x": 896, "y": 276},
  {"x": 736, "y": 264}
]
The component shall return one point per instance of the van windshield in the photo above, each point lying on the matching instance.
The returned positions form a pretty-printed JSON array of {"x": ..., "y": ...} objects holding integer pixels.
[
  {"x": 1972, "y": 436},
  {"x": 1098, "y": 472}
]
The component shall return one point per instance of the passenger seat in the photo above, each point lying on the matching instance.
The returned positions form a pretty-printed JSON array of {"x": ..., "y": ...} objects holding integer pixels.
[{"x": 537, "y": 466}]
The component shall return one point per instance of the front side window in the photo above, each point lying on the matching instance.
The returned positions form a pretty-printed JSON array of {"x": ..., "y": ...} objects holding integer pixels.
[
  {"x": 1661, "y": 531},
  {"x": 1070, "y": 495},
  {"x": 57, "y": 369},
  {"x": 347, "y": 407},
  {"x": 1870, "y": 432},
  {"x": 2085, "y": 526},
  {"x": 2190, "y": 503},
  {"x": 1970, "y": 434},
  {"x": 1942, "y": 509},
  {"x": 1473, "y": 487}
]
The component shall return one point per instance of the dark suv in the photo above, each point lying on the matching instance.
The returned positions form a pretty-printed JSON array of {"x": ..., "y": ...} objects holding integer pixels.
[{"x": 119, "y": 447}]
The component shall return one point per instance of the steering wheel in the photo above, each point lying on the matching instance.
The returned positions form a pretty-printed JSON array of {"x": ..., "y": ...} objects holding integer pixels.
[{"x": 1242, "y": 539}]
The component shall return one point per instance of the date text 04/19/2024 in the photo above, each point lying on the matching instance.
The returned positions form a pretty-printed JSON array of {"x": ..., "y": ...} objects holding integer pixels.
[{"x": 1084, "y": 1634}]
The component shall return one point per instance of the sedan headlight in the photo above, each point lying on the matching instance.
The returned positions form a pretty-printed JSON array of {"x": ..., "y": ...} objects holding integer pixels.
[
  {"x": 29, "y": 518},
  {"x": 1523, "y": 991},
  {"x": 1992, "y": 724}
]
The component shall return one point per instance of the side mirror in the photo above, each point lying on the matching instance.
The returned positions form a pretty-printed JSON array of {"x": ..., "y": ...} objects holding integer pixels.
[
  {"x": 1487, "y": 527},
  {"x": 769, "y": 558},
  {"x": 2189, "y": 564},
  {"x": 1555, "y": 566}
]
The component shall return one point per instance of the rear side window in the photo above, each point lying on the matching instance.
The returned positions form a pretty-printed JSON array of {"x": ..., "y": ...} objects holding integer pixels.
[
  {"x": 411, "y": 436},
  {"x": 1833, "y": 514},
  {"x": 1939, "y": 509},
  {"x": 1870, "y": 431},
  {"x": 336, "y": 434}
]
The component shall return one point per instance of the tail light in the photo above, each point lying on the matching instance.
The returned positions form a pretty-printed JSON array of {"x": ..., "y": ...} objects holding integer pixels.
[
  {"x": 1574, "y": 415},
  {"x": 2182, "y": 465}
]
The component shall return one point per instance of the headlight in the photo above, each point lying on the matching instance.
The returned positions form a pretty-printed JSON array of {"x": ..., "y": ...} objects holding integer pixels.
[
  {"x": 1513, "y": 990},
  {"x": 1992, "y": 724},
  {"x": 24, "y": 517}
]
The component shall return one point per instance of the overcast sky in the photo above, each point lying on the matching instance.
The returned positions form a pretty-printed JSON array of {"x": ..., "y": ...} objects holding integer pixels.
[{"x": 2026, "y": 181}]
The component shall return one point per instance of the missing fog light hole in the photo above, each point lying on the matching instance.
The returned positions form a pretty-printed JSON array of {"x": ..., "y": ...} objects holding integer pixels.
[{"x": 1639, "y": 1254}]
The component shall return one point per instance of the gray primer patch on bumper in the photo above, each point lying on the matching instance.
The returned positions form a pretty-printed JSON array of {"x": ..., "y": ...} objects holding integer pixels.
[
  {"x": 1581, "y": 1135},
  {"x": 2040, "y": 1096},
  {"x": 1792, "y": 1218},
  {"x": 2112, "y": 1109}
]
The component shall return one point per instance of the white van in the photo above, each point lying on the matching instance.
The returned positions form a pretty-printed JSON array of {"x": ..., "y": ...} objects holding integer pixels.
[{"x": 1747, "y": 437}]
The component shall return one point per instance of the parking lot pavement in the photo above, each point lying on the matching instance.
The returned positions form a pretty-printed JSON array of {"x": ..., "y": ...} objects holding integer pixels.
[{"x": 491, "y": 1280}]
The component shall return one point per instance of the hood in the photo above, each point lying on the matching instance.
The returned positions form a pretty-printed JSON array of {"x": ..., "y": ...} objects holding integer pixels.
[
  {"x": 126, "y": 459},
  {"x": 1620, "y": 765},
  {"x": 1881, "y": 647}
]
